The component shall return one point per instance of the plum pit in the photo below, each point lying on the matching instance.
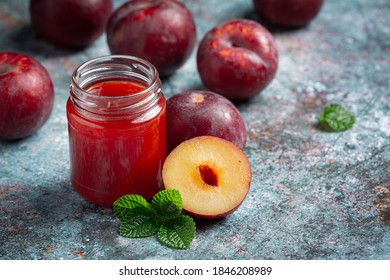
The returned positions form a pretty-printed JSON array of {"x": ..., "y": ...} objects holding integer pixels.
[{"x": 208, "y": 175}]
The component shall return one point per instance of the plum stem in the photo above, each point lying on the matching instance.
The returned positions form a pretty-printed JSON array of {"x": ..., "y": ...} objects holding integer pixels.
[{"x": 6, "y": 68}]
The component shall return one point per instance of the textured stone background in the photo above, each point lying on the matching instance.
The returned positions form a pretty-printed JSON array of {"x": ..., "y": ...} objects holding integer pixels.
[{"x": 314, "y": 194}]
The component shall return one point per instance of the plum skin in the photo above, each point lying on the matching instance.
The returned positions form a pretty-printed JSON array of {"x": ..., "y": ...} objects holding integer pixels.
[
  {"x": 237, "y": 59},
  {"x": 70, "y": 23},
  {"x": 287, "y": 13},
  {"x": 160, "y": 31},
  {"x": 26, "y": 94},
  {"x": 203, "y": 113}
]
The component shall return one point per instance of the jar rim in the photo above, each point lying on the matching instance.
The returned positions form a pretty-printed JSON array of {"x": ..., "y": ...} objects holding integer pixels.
[
  {"x": 110, "y": 58},
  {"x": 115, "y": 68}
]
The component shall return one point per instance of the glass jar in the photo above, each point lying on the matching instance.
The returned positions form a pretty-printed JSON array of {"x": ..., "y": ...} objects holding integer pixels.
[{"x": 117, "y": 129}]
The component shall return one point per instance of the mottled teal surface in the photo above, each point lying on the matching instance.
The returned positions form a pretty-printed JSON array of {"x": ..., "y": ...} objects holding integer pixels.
[{"x": 313, "y": 195}]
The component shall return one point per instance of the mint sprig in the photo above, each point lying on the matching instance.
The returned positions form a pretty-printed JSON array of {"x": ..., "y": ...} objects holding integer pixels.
[
  {"x": 162, "y": 216},
  {"x": 336, "y": 118}
]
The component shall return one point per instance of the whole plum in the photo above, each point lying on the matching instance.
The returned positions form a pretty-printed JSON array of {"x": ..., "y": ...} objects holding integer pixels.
[
  {"x": 287, "y": 13},
  {"x": 160, "y": 31},
  {"x": 237, "y": 59},
  {"x": 203, "y": 113},
  {"x": 26, "y": 95},
  {"x": 70, "y": 23}
]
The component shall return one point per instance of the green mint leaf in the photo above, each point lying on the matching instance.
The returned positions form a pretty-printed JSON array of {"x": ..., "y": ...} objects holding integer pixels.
[
  {"x": 126, "y": 203},
  {"x": 167, "y": 204},
  {"x": 177, "y": 233},
  {"x": 139, "y": 222},
  {"x": 163, "y": 217},
  {"x": 336, "y": 118}
]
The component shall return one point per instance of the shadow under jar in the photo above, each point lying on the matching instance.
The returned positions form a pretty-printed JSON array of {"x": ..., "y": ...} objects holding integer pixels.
[{"x": 117, "y": 129}]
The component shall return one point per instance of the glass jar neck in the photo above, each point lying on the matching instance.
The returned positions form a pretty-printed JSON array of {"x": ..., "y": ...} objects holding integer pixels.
[{"x": 115, "y": 68}]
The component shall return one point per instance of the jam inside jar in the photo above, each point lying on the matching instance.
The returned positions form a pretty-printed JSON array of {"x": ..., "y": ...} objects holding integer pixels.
[{"x": 117, "y": 129}]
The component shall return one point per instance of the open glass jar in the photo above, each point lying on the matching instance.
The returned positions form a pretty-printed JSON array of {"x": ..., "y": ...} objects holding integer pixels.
[{"x": 117, "y": 129}]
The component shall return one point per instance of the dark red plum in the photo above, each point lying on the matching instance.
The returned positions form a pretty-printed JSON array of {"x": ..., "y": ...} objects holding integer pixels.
[
  {"x": 237, "y": 59},
  {"x": 26, "y": 94},
  {"x": 160, "y": 31},
  {"x": 203, "y": 113},
  {"x": 70, "y": 23},
  {"x": 287, "y": 13}
]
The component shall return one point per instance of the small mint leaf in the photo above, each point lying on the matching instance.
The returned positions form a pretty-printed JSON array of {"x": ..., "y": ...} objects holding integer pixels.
[
  {"x": 126, "y": 203},
  {"x": 177, "y": 233},
  {"x": 167, "y": 204},
  {"x": 336, "y": 118},
  {"x": 140, "y": 222}
]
